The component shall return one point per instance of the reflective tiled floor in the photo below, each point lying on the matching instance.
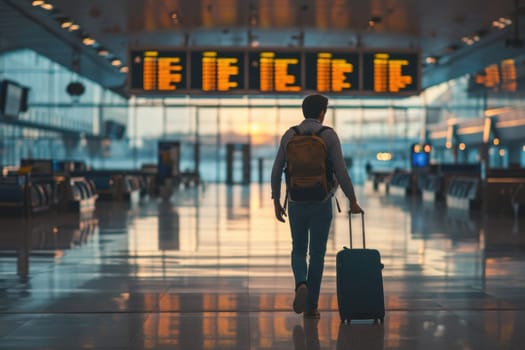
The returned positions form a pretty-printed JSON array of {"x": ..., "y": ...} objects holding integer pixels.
[{"x": 209, "y": 269}]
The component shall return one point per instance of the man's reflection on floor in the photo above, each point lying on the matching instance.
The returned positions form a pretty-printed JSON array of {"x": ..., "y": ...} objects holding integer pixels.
[
  {"x": 306, "y": 338},
  {"x": 350, "y": 336}
]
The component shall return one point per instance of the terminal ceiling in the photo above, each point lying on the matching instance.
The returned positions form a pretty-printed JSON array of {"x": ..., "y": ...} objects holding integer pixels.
[{"x": 436, "y": 28}]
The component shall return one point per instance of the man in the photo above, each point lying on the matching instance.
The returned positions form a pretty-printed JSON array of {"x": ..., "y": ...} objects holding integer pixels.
[{"x": 310, "y": 220}]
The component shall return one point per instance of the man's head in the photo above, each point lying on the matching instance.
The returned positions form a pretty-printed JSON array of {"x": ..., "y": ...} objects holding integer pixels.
[{"x": 314, "y": 106}]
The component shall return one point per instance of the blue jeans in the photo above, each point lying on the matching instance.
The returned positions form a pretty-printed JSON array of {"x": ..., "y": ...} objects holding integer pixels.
[{"x": 310, "y": 224}]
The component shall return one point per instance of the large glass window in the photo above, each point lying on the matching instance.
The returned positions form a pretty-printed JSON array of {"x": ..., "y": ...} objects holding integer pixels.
[
  {"x": 365, "y": 131},
  {"x": 57, "y": 125}
]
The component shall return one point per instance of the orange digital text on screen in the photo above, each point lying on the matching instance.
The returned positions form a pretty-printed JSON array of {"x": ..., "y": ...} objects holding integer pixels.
[
  {"x": 388, "y": 74},
  {"x": 274, "y": 74},
  {"x": 217, "y": 72},
  {"x": 331, "y": 73},
  {"x": 161, "y": 73}
]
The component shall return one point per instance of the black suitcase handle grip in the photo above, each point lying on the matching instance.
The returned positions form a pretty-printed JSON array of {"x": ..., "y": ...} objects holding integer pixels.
[{"x": 362, "y": 225}]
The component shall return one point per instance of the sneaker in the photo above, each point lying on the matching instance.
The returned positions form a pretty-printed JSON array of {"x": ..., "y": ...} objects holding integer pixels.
[
  {"x": 312, "y": 314},
  {"x": 301, "y": 295}
]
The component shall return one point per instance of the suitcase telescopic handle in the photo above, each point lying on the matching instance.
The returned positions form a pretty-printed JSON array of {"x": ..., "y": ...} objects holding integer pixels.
[{"x": 362, "y": 225}]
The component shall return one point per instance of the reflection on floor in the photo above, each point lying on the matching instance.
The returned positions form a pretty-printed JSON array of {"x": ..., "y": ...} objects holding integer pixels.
[{"x": 209, "y": 269}]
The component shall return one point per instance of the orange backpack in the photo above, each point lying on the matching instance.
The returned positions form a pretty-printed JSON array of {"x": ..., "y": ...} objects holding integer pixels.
[{"x": 308, "y": 172}]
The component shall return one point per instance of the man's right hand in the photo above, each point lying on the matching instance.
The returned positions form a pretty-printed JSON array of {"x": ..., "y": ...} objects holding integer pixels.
[
  {"x": 355, "y": 208},
  {"x": 280, "y": 213}
]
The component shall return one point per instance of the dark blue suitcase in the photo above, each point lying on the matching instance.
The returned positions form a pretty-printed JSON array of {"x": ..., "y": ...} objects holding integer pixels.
[{"x": 360, "y": 282}]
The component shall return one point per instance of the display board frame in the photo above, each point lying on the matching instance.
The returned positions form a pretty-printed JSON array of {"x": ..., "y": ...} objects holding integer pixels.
[{"x": 189, "y": 88}]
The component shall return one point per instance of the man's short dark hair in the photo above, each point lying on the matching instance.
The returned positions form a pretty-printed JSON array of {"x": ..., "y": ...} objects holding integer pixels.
[{"x": 313, "y": 105}]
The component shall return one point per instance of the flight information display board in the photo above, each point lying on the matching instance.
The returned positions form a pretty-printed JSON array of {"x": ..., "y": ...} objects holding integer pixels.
[
  {"x": 158, "y": 71},
  {"x": 332, "y": 72},
  {"x": 221, "y": 71},
  {"x": 390, "y": 73},
  {"x": 274, "y": 71}
]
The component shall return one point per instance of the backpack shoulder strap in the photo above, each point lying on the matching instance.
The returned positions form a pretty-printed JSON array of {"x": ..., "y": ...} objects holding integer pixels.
[
  {"x": 323, "y": 128},
  {"x": 296, "y": 130}
]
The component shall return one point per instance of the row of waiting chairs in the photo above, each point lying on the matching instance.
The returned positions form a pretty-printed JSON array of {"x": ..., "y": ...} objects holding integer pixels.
[
  {"x": 502, "y": 191},
  {"x": 24, "y": 194}
]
